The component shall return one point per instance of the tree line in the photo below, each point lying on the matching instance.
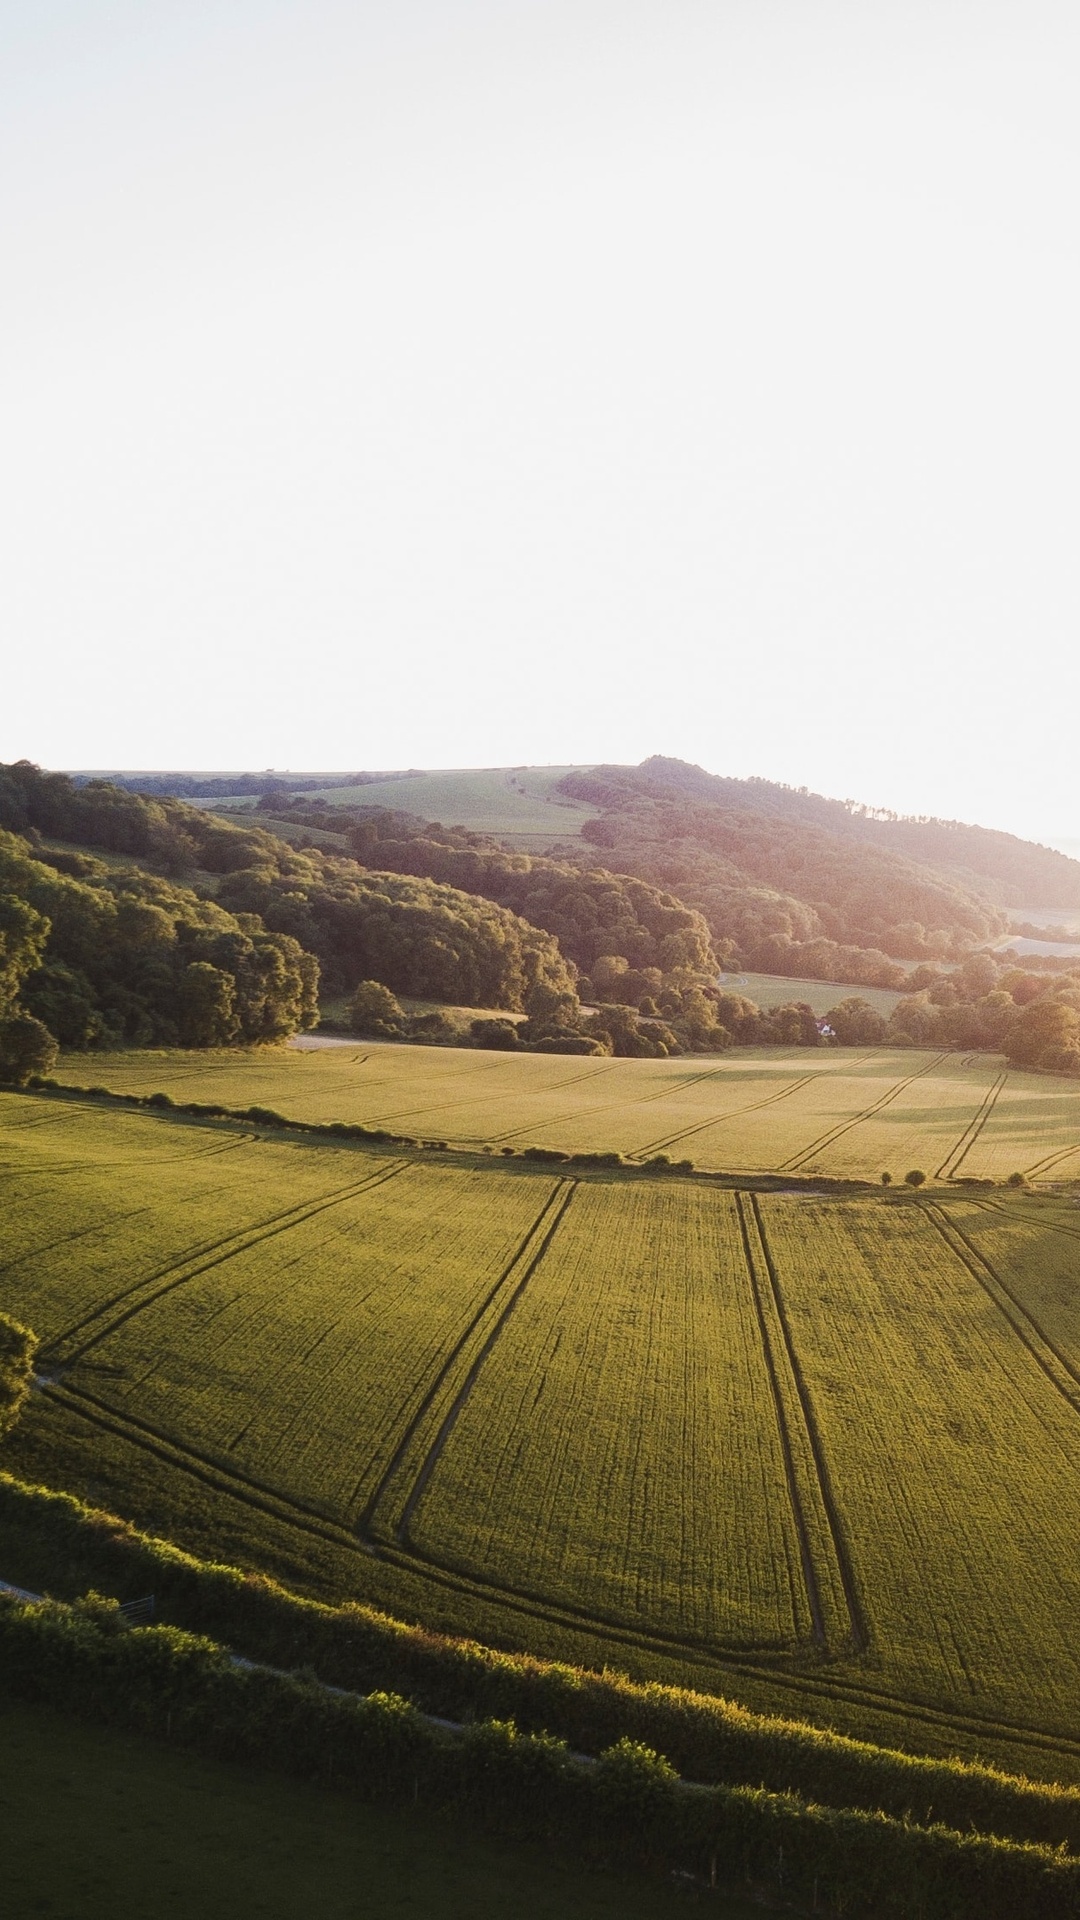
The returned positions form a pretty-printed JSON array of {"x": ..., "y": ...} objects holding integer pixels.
[{"x": 93, "y": 955}]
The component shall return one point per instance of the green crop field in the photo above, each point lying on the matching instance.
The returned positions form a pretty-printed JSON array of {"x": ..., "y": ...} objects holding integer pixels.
[
  {"x": 833, "y": 1111},
  {"x": 820, "y": 1452},
  {"x": 510, "y": 802}
]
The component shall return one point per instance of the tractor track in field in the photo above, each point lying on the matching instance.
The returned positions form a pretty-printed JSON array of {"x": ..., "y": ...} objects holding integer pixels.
[
  {"x": 954, "y": 1160},
  {"x": 18, "y": 1172},
  {"x": 722, "y": 1119},
  {"x": 65, "y": 1239},
  {"x": 748, "y": 1659},
  {"x": 860, "y": 1633},
  {"x": 224, "y": 1477},
  {"x": 180, "y": 1272},
  {"x": 1044, "y": 1166},
  {"x": 830, "y": 1137},
  {"x": 460, "y": 1399},
  {"x": 479, "y": 1099},
  {"x": 802, "y": 1531},
  {"x": 1028, "y": 1220},
  {"x": 529, "y": 1250},
  {"x": 1047, "y": 1356},
  {"x": 606, "y": 1106}
]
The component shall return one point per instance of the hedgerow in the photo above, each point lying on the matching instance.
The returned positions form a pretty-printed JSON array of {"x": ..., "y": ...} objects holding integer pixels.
[
  {"x": 627, "y": 1808},
  {"x": 55, "y": 1543}
]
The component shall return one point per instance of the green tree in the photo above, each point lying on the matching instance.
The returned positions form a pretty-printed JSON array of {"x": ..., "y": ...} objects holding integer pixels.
[
  {"x": 375, "y": 1011},
  {"x": 23, "y": 933},
  {"x": 1046, "y": 1034},
  {"x": 207, "y": 1006},
  {"x": 17, "y": 1349},
  {"x": 856, "y": 1023},
  {"x": 26, "y": 1048}
]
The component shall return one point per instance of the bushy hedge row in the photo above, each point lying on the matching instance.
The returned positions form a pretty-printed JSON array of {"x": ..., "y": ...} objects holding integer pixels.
[
  {"x": 342, "y": 1129},
  {"x": 628, "y": 1807},
  {"x": 53, "y": 1542}
]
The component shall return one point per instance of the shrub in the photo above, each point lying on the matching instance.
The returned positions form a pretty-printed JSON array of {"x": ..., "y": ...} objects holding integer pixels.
[
  {"x": 26, "y": 1048},
  {"x": 916, "y": 1178},
  {"x": 500, "y": 1035},
  {"x": 1016, "y": 1180},
  {"x": 17, "y": 1349},
  {"x": 376, "y": 1012}
]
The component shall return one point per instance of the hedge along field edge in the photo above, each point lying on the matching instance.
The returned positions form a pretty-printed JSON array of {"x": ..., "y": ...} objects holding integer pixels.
[
  {"x": 626, "y": 1808},
  {"x": 339, "y": 1132},
  {"x": 55, "y": 1542}
]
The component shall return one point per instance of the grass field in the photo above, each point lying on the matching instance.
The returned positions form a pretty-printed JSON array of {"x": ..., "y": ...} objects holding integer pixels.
[
  {"x": 812, "y": 1450},
  {"x": 510, "y": 802},
  {"x": 99, "y": 1823},
  {"x": 829, "y": 1111},
  {"x": 777, "y": 990}
]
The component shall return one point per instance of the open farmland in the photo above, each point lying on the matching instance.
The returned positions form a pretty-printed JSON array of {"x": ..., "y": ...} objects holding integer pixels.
[
  {"x": 821, "y": 1112},
  {"x": 515, "y": 803},
  {"x": 779, "y": 989},
  {"x": 817, "y": 1451}
]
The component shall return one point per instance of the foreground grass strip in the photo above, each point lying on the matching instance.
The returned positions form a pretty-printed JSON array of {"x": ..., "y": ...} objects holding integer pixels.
[
  {"x": 627, "y": 1807},
  {"x": 99, "y": 1822},
  {"x": 53, "y": 1542}
]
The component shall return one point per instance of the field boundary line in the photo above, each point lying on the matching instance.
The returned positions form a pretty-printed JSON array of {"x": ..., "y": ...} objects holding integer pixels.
[
  {"x": 721, "y": 1119},
  {"x": 830, "y": 1137},
  {"x": 557, "y": 1200},
  {"x": 461, "y": 1398},
  {"x": 1027, "y": 1329},
  {"x": 954, "y": 1159},
  {"x": 802, "y": 1531},
  {"x": 239, "y": 1244},
  {"x": 860, "y": 1633}
]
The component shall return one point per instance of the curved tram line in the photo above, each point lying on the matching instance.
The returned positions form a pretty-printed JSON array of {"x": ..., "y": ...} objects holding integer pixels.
[
  {"x": 835, "y": 1133},
  {"x": 954, "y": 1160}
]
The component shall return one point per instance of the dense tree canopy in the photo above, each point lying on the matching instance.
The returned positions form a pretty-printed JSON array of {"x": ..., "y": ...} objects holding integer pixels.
[
  {"x": 592, "y": 914},
  {"x": 412, "y": 934},
  {"x": 782, "y": 892},
  {"x": 130, "y": 956}
]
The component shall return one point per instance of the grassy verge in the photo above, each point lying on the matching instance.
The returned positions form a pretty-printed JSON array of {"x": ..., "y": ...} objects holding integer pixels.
[{"x": 100, "y": 1822}]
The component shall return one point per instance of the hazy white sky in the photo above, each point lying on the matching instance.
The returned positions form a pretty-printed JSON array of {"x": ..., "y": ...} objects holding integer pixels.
[{"x": 455, "y": 382}]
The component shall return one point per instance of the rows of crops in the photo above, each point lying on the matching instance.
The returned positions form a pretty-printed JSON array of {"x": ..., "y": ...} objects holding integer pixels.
[
  {"x": 953, "y": 1444},
  {"x": 843, "y": 1433},
  {"x": 622, "y": 1442},
  {"x": 837, "y": 1112}
]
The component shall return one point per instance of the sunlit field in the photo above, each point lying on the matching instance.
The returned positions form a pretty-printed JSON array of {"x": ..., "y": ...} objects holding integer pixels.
[
  {"x": 836, "y": 1112},
  {"x": 825, "y": 1444}
]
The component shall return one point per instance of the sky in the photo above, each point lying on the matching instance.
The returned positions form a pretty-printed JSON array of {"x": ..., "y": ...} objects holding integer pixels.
[{"x": 455, "y": 383}]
